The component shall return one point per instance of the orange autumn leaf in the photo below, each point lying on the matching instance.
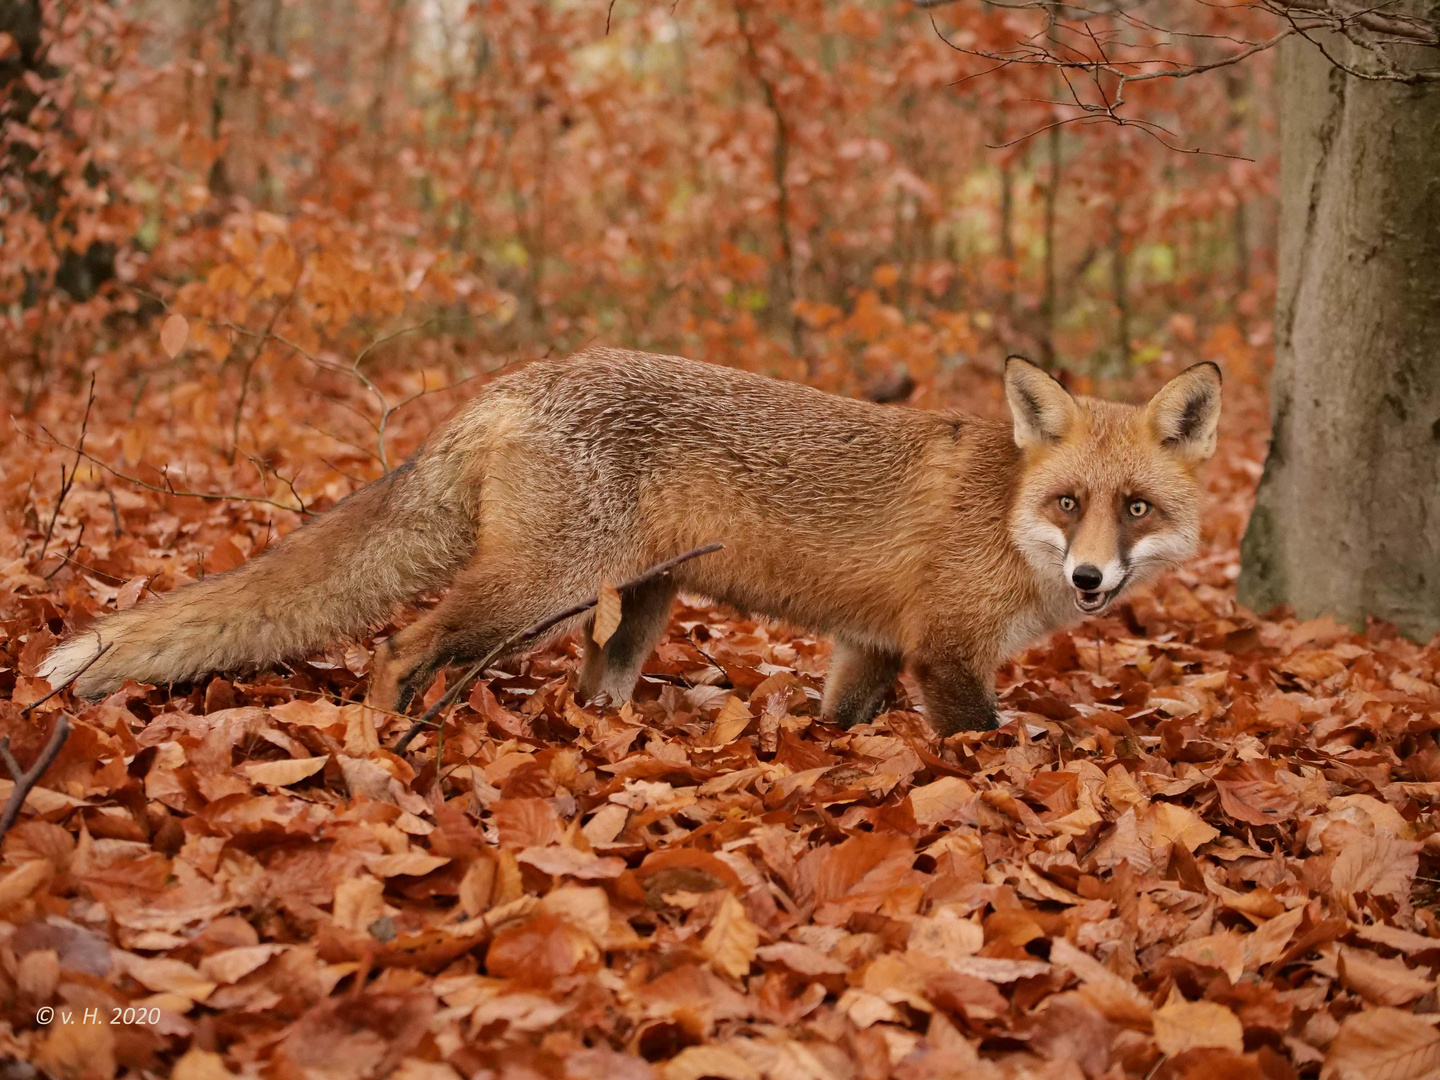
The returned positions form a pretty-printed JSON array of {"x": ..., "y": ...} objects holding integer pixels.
[
  {"x": 173, "y": 335},
  {"x": 607, "y": 614}
]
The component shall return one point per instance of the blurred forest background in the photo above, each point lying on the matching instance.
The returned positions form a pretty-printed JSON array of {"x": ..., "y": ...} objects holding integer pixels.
[{"x": 823, "y": 189}]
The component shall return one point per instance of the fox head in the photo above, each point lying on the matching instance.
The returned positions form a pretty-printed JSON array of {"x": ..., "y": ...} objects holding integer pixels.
[{"x": 1108, "y": 494}]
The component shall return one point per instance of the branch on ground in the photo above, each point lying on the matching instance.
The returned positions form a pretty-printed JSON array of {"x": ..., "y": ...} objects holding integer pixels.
[{"x": 26, "y": 779}]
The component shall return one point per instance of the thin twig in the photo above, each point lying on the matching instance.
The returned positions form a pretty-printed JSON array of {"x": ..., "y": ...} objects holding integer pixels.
[
  {"x": 68, "y": 682},
  {"x": 169, "y": 489},
  {"x": 115, "y": 513},
  {"x": 387, "y": 410},
  {"x": 67, "y": 484},
  {"x": 26, "y": 780},
  {"x": 253, "y": 359},
  {"x": 547, "y": 623},
  {"x": 65, "y": 556}
]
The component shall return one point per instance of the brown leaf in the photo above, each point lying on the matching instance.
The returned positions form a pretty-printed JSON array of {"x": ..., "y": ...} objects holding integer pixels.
[
  {"x": 1182, "y": 1025},
  {"x": 1385, "y": 982},
  {"x": 1384, "y": 1044},
  {"x": 558, "y": 859},
  {"x": 732, "y": 939},
  {"x": 730, "y": 723},
  {"x": 1176, "y": 824},
  {"x": 232, "y": 965},
  {"x": 359, "y": 901},
  {"x": 540, "y": 950},
  {"x": 705, "y": 1062},
  {"x": 801, "y": 959},
  {"x": 129, "y": 594},
  {"x": 524, "y": 823},
  {"x": 174, "y": 332},
  {"x": 411, "y": 863},
  {"x": 607, "y": 614},
  {"x": 197, "y": 1064},
  {"x": 1377, "y": 865},
  {"x": 1250, "y": 792},
  {"x": 938, "y": 802},
  {"x": 283, "y": 773},
  {"x": 165, "y": 975},
  {"x": 77, "y": 1051}
]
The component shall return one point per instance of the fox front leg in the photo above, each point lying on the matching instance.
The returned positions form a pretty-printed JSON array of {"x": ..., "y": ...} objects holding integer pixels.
[
  {"x": 613, "y": 669},
  {"x": 956, "y": 696},
  {"x": 856, "y": 685}
]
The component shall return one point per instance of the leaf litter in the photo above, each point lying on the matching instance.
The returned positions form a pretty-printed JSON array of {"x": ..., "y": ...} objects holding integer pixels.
[{"x": 1204, "y": 844}]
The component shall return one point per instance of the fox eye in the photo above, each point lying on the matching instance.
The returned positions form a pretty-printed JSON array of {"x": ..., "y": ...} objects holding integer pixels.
[
  {"x": 1138, "y": 508},
  {"x": 1068, "y": 504}
]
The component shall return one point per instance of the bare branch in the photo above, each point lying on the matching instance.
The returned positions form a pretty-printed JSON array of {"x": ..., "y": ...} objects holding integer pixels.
[
  {"x": 1369, "y": 28},
  {"x": 67, "y": 483},
  {"x": 352, "y": 370},
  {"x": 253, "y": 358},
  {"x": 26, "y": 780},
  {"x": 68, "y": 682},
  {"x": 1196, "y": 69},
  {"x": 168, "y": 489}
]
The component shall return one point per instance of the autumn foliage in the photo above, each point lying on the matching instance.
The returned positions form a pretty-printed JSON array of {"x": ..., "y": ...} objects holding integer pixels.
[{"x": 251, "y": 252}]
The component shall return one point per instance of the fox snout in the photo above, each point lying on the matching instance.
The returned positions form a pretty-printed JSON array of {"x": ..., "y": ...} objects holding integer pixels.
[
  {"x": 1096, "y": 572},
  {"x": 1095, "y": 587}
]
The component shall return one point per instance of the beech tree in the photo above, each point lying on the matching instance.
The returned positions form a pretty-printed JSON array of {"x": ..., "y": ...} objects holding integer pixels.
[{"x": 1347, "y": 517}]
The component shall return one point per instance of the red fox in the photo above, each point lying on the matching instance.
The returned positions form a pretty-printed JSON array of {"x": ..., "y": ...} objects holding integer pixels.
[{"x": 943, "y": 541}]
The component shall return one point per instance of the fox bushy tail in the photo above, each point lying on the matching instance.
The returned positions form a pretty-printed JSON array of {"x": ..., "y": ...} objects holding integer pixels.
[{"x": 405, "y": 534}]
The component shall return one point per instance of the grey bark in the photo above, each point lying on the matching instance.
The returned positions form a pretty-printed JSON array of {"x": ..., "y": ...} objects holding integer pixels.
[{"x": 1347, "y": 517}]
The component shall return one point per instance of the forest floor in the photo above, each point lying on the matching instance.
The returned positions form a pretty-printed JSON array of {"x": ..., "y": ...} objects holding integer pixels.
[{"x": 1204, "y": 844}]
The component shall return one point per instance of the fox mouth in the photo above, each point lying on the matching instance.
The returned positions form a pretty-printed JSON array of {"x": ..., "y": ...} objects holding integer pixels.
[
  {"x": 1099, "y": 600},
  {"x": 1091, "y": 602}
]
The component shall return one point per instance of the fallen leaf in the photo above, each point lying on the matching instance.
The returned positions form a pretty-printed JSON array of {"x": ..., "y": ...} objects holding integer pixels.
[
  {"x": 938, "y": 802},
  {"x": 405, "y": 864},
  {"x": 1376, "y": 865},
  {"x": 1183, "y": 1025},
  {"x": 732, "y": 939},
  {"x": 283, "y": 773},
  {"x": 232, "y": 965},
  {"x": 197, "y": 1064},
  {"x": 1251, "y": 793},
  {"x": 163, "y": 974},
  {"x": 705, "y": 1062},
  {"x": 1382, "y": 981},
  {"x": 174, "y": 332},
  {"x": 1384, "y": 1044},
  {"x": 359, "y": 901},
  {"x": 607, "y": 614},
  {"x": 1175, "y": 824}
]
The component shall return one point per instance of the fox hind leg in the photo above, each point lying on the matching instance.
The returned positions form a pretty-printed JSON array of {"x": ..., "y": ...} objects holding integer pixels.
[
  {"x": 613, "y": 669},
  {"x": 858, "y": 680},
  {"x": 479, "y": 612}
]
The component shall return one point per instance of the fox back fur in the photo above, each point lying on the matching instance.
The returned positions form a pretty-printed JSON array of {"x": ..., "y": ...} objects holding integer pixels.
[{"x": 941, "y": 540}]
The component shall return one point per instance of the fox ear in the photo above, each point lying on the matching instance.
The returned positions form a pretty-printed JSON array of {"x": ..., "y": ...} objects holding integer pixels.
[
  {"x": 1042, "y": 409},
  {"x": 1185, "y": 413}
]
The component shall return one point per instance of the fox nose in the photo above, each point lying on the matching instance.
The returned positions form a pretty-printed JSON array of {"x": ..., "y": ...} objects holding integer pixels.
[{"x": 1087, "y": 577}]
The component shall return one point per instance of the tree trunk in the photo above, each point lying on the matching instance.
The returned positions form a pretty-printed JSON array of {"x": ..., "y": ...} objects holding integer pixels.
[{"x": 1347, "y": 518}]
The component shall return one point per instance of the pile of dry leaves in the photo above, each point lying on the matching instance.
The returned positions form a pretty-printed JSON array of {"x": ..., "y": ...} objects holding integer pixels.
[{"x": 1204, "y": 845}]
